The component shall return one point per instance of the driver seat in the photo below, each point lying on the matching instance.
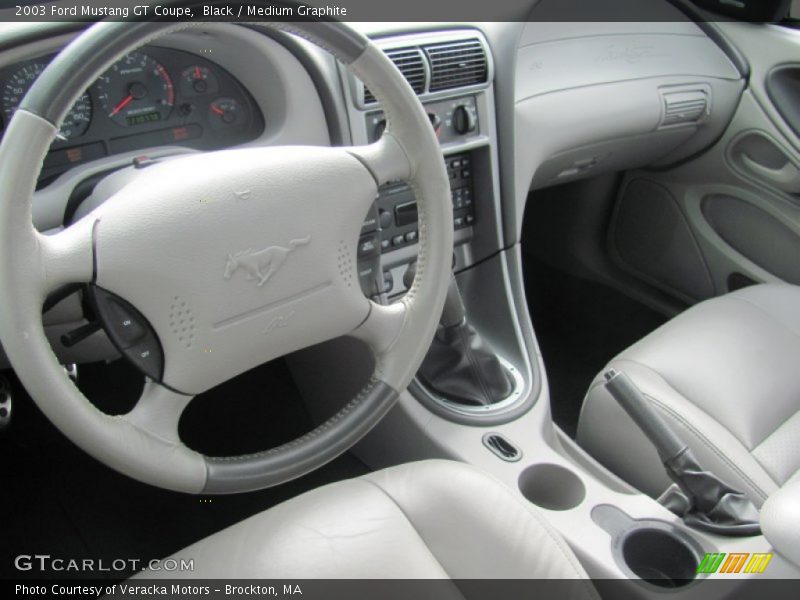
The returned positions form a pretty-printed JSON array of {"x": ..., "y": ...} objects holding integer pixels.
[{"x": 423, "y": 520}]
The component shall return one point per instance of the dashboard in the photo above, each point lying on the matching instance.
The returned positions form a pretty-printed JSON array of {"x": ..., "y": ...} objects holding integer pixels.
[
  {"x": 151, "y": 97},
  {"x": 510, "y": 94}
]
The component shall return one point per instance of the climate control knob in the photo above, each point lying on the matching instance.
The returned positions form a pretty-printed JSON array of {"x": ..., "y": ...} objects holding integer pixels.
[
  {"x": 464, "y": 119},
  {"x": 436, "y": 122}
]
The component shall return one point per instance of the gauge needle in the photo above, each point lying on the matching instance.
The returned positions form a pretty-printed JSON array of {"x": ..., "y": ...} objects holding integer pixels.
[
  {"x": 217, "y": 109},
  {"x": 123, "y": 103},
  {"x": 197, "y": 73}
]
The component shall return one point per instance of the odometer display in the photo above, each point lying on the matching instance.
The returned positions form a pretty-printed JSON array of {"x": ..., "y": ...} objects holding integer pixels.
[
  {"x": 78, "y": 118},
  {"x": 136, "y": 90},
  {"x": 143, "y": 118}
]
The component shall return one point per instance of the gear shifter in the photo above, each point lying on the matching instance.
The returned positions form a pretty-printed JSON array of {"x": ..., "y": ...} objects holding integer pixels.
[{"x": 460, "y": 365}]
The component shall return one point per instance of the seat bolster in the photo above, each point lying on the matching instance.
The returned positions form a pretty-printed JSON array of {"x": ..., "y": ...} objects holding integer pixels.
[
  {"x": 780, "y": 520},
  {"x": 347, "y": 530},
  {"x": 611, "y": 436},
  {"x": 779, "y": 301},
  {"x": 433, "y": 519},
  {"x": 475, "y": 526}
]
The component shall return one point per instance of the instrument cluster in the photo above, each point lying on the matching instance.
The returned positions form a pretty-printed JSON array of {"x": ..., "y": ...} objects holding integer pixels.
[{"x": 151, "y": 97}]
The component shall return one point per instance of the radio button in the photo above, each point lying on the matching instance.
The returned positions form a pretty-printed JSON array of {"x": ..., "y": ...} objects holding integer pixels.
[
  {"x": 385, "y": 219},
  {"x": 406, "y": 214},
  {"x": 388, "y": 282},
  {"x": 367, "y": 246},
  {"x": 370, "y": 224}
]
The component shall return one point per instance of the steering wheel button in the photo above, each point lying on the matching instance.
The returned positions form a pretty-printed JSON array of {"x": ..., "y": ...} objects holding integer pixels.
[
  {"x": 125, "y": 323},
  {"x": 129, "y": 331},
  {"x": 146, "y": 355}
]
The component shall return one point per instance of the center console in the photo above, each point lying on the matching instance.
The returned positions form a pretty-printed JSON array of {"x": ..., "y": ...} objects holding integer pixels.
[
  {"x": 452, "y": 73},
  {"x": 472, "y": 371}
]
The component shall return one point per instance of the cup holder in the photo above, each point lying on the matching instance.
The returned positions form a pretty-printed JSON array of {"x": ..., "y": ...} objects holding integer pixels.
[
  {"x": 552, "y": 487},
  {"x": 659, "y": 553},
  {"x": 659, "y": 557}
]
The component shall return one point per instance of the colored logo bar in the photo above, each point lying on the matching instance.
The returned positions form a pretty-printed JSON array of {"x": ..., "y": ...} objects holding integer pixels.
[{"x": 734, "y": 562}]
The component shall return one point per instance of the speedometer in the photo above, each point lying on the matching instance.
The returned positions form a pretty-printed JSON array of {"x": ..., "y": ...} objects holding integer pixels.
[
  {"x": 136, "y": 90},
  {"x": 78, "y": 118}
]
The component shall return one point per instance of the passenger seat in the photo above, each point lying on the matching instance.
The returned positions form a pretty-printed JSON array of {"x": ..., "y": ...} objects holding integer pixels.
[{"x": 726, "y": 375}]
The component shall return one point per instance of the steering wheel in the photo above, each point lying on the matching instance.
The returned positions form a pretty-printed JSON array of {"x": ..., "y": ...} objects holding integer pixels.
[{"x": 222, "y": 261}]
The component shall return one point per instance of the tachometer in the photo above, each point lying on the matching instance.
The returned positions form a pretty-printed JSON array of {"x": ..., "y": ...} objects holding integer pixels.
[
  {"x": 78, "y": 118},
  {"x": 136, "y": 90}
]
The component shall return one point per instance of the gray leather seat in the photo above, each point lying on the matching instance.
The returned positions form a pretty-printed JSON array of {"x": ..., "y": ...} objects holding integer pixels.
[
  {"x": 430, "y": 519},
  {"x": 726, "y": 375}
]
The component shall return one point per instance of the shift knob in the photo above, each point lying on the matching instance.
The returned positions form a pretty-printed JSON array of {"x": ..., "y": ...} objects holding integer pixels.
[{"x": 453, "y": 312}]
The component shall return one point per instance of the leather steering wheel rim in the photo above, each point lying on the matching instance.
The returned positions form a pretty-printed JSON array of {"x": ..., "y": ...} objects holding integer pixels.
[{"x": 144, "y": 443}]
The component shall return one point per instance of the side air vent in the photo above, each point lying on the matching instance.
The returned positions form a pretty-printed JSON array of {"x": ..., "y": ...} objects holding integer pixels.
[
  {"x": 411, "y": 64},
  {"x": 457, "y": 64},
  {"x": 683, "y": 107}
]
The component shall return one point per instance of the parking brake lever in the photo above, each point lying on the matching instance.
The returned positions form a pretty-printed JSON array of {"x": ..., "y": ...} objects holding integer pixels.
[{"x": 714, "y": 506}]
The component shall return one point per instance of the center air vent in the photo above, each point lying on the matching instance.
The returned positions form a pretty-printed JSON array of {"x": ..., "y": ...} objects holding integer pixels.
[
  {"x": 457, "y": 64},
  {"x": 411, "y": 64},
  {"x": 682, "y": 107}
]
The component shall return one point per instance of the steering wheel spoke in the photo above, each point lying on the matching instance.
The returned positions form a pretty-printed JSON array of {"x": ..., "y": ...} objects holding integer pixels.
[
  {"x": 382, "y": 326},
  {"x": 385, "y": 159},
  {"x": 158, "y": 412},
  {"x": 67, "y": 256}
]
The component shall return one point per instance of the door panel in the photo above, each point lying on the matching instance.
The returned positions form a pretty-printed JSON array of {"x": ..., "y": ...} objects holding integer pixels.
[
  {"x": 740, "y": 200},
  {"x": 783, "y": 89},
  {"x": 760, "y": 157}
]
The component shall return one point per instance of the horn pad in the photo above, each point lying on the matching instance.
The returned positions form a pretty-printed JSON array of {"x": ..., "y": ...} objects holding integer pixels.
[{"x": 249, "y": 253}]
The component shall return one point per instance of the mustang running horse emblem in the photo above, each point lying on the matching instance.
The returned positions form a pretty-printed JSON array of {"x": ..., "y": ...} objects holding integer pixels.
[{"x": 262, "y": 264}]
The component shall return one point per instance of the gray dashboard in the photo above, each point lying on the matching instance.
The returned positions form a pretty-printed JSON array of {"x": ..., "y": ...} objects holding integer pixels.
[
  {"x": 592, "y": 98},
  {"x": 560, "y": 101}
]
